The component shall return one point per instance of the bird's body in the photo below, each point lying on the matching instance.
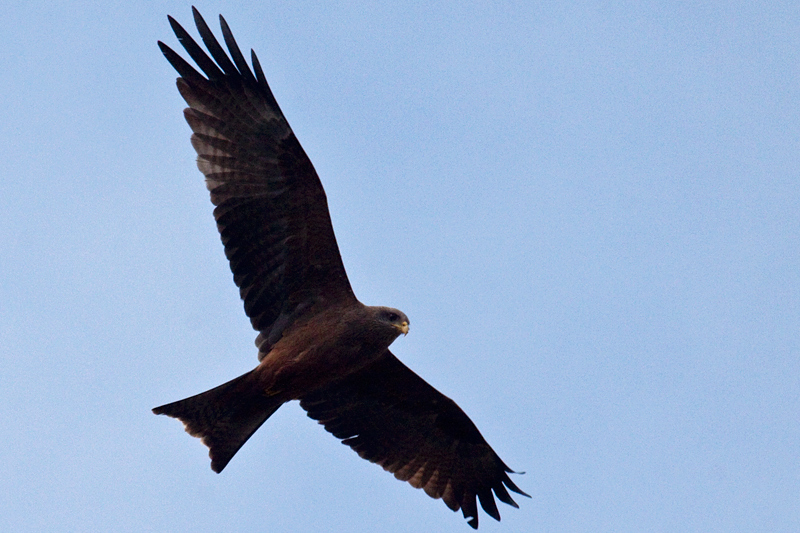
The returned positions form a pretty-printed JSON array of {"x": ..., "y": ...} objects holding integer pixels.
[
  {"x": 319, "y": 350},
  {"x": 307, "y": 357},
  {"x": 316, "y": 343}
]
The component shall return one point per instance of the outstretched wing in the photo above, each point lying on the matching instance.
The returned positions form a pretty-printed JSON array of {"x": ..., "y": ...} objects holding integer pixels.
[
  {"x": 271, "y": 210},
  {"x": 392, "y": 417}
]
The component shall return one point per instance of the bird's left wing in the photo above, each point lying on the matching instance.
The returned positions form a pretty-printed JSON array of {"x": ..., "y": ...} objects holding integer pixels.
[{"x": 394, "y": 418}]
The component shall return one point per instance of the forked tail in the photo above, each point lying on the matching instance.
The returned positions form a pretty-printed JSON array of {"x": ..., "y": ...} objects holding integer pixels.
[{"x": 225, "y": 416}]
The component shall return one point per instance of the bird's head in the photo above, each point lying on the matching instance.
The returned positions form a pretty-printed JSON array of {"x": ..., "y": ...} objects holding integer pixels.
[{"x": 393, "y": 318}]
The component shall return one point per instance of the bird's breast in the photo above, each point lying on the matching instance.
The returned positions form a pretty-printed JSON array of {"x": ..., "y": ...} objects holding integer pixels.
[{"x": 300, "y": 363}]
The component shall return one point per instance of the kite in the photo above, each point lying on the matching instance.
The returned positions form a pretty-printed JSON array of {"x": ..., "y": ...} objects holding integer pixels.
[{"x": 316, "y": 342}]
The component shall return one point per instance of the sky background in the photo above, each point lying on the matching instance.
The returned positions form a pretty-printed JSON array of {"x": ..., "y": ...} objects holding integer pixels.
[{"x": 590, "y": 212}]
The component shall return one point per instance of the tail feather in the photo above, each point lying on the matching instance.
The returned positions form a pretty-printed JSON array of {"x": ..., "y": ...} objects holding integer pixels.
[{"x": 225, "y": 416}]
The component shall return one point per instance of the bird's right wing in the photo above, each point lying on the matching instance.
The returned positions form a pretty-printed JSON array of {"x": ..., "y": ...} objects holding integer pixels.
[{"x": 271, "y": 210}]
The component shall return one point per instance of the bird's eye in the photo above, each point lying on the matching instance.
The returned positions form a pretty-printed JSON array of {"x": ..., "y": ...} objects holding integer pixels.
[{"x": 392, "y": 317}]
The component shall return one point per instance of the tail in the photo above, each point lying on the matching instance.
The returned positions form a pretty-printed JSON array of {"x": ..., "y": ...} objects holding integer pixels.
[{"x": 224, "y": 417}]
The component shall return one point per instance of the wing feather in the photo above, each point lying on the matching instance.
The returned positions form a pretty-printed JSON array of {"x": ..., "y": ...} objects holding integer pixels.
[
  {"x": 392, "y": 417},
  {"x": 271, "y": 209},
  {"x": 197, "y": 54},
  {"x": 213, "y": 45},
  {"x": 236, "y": 54}
]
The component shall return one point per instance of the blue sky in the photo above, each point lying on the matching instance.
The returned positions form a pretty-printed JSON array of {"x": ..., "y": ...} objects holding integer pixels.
[{"x": 589, "y": 211}]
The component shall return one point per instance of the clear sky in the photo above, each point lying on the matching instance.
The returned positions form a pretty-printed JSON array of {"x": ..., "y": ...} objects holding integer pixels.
[{"x": 590, "y": 212}]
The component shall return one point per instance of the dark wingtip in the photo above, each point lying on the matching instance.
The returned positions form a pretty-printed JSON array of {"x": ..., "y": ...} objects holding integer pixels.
[
  {"x": 257, "y": 68},
  {"x": 488, "y": 504},
  {"x": 511, "y": 485},
  {"x": 165, "y": 49},
  {"x": 176, "y": 27},
  {"x": 235, "y": 52},
  {"x": 198, "y": 18},
  {"x": 504, "y": 496},
  {"x": 172, "y": 56}
]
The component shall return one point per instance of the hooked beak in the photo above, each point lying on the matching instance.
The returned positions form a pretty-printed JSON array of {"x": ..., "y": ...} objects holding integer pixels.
[{"x": 403, "y": 328}]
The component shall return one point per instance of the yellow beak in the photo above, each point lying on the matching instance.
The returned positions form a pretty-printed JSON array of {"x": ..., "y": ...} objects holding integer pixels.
[{"x": 403, "y": 328}]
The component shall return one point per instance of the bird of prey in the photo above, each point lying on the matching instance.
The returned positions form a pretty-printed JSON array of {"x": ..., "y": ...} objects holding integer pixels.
[{"x": 316, "y": 342}]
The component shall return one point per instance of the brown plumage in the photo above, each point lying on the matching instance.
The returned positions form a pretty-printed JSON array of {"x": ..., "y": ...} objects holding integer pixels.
[{"x": 317, "y": 343}]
